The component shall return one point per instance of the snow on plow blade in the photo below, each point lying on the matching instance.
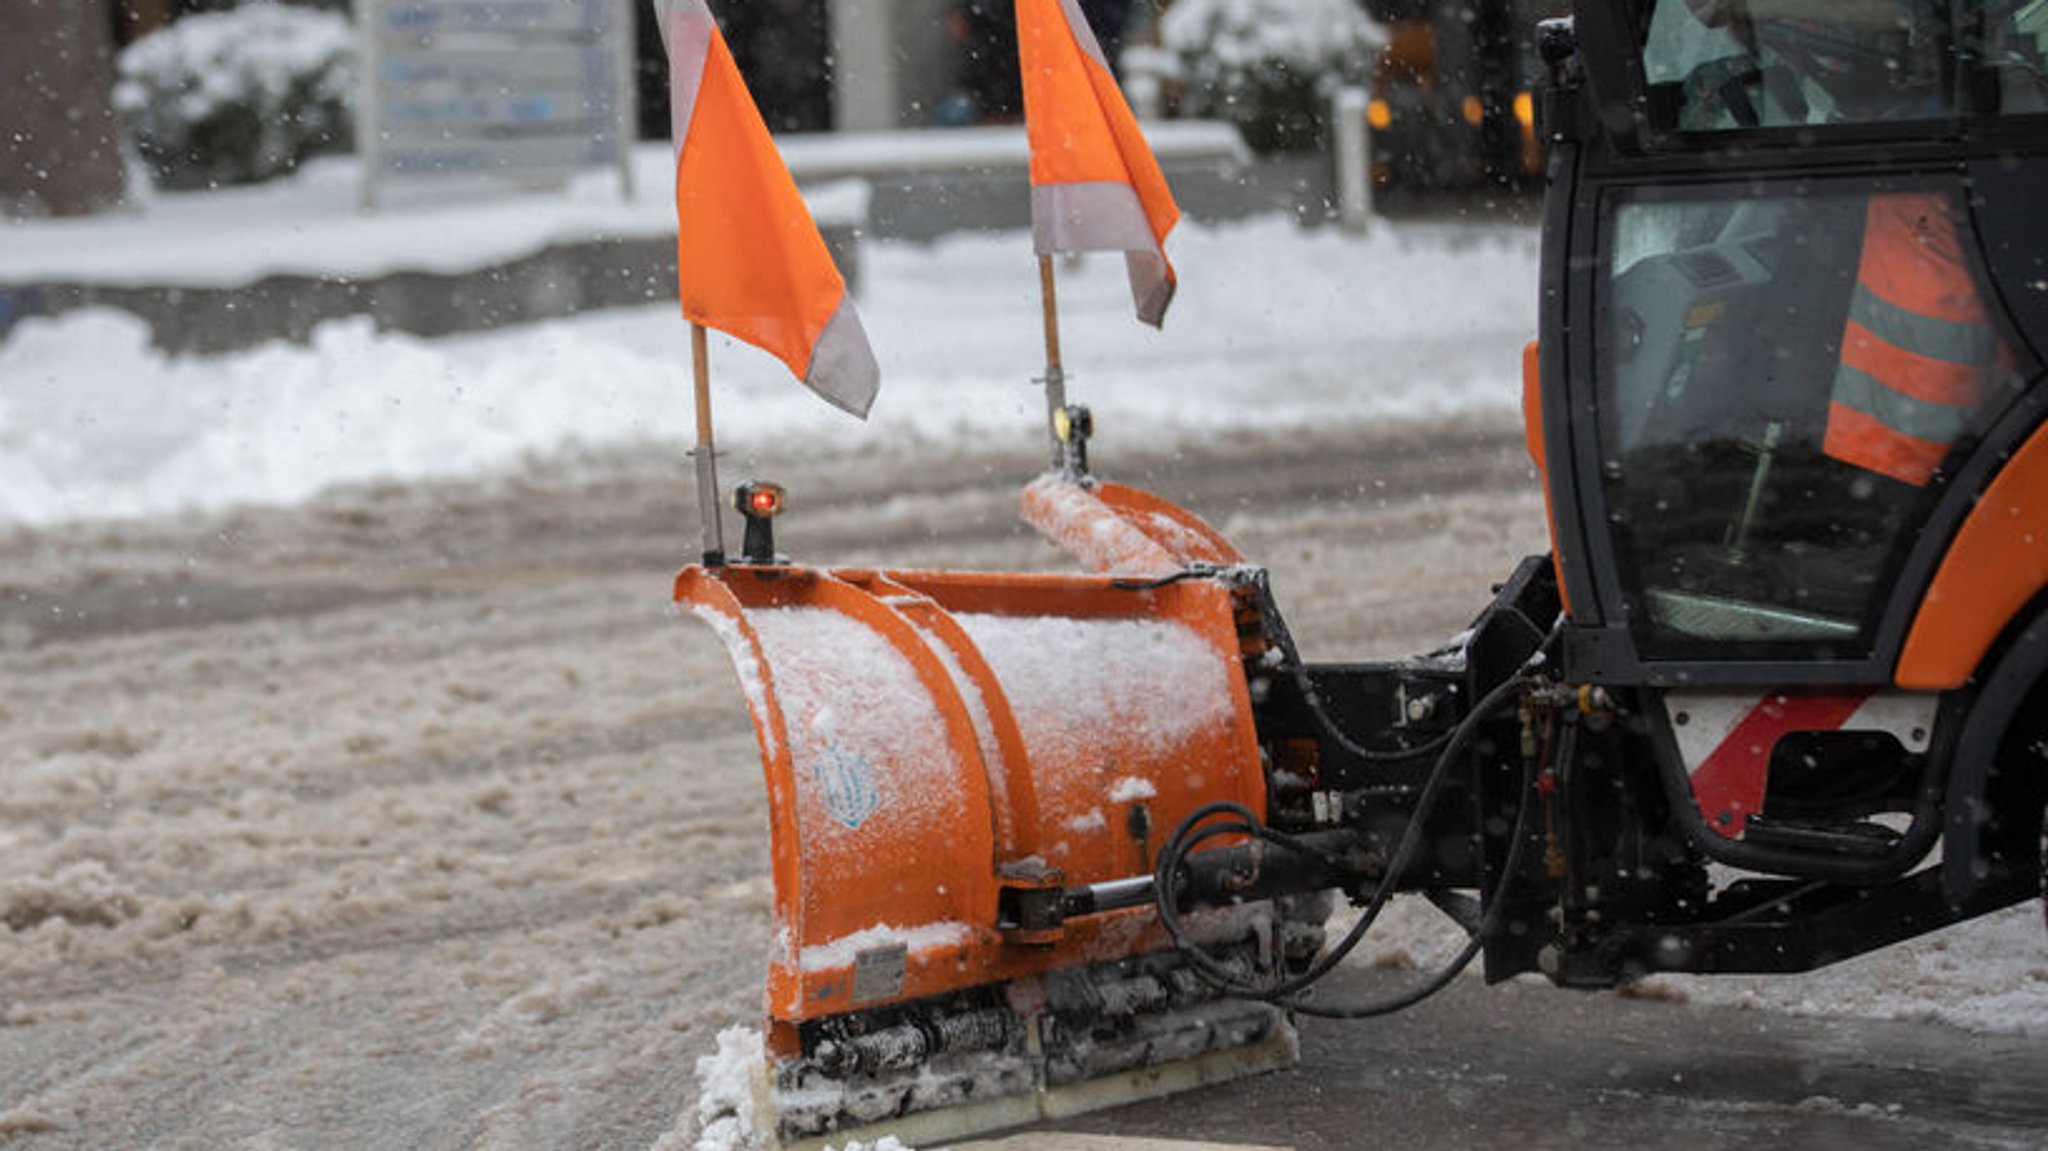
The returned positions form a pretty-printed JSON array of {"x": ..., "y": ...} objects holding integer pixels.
[
  {"x": 1116, "y": 528},
  {"x": 946, "y": 754}
]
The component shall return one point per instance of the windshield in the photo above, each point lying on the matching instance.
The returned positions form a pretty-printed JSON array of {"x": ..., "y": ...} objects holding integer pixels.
[{"x": 1715, "y": 65}]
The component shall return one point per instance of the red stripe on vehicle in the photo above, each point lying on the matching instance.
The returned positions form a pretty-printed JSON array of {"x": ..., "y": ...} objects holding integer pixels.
[{"x": 1729, "y": 784}]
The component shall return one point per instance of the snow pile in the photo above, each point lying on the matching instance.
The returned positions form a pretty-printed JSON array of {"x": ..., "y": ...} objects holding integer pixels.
[
  {"x": 1275, "y": 329},
  {"x": 1986, "y": 975},
  {"x": 83, "y": 893},
  {"x": 732, "y": 1087},
  {"x": 731, "y": 1093}
]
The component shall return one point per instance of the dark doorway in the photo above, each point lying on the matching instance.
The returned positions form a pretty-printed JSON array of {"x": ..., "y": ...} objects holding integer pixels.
[{"x": 783, "y": 49}]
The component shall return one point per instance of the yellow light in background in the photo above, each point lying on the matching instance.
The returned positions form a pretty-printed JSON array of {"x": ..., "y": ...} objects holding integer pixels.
[
  {"x": 1525, "y": 109},
  {"x": 1474, "y": 111},
  {"x": 1379, "y": 115}
]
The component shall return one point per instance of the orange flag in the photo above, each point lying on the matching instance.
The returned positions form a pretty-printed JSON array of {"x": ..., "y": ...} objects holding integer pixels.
[
  {"x": 1094, "y": 183},
  {"x": 749, "y": 260}
]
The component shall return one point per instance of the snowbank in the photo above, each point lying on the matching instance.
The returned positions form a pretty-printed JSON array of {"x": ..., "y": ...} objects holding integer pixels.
[{"x": 1275, "y": 328}]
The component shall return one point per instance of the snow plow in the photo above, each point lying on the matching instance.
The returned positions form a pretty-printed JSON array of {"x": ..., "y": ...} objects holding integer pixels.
[
  {"x": 1777, "y": 696},
  {"x": 969, "y": 774}
]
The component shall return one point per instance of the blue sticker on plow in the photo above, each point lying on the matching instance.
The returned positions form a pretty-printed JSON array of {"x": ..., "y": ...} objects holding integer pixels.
[{"x": 846, "y": 785}]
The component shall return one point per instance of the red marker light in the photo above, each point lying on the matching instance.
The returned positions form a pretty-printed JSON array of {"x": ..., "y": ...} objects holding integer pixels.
[{"x": 759, "y": 501}]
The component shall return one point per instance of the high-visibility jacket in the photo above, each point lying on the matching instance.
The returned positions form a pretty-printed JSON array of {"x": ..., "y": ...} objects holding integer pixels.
[{"x": 1919, "y": 348}]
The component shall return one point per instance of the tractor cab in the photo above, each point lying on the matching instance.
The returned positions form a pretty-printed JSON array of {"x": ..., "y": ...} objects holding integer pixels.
[{"x": 1799, "y": 286}]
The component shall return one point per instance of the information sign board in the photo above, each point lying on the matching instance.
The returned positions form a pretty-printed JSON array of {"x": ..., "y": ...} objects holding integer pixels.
[{"x": 529, "y": 90}]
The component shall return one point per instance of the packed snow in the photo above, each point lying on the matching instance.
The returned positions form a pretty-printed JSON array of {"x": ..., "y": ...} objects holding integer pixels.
[{"x": 730, "y": 1093}]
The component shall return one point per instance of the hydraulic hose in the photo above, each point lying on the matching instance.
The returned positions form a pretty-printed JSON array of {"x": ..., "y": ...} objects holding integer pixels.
[
  {"x": 1488, "y": 924},
  {"x": 1290, "y": 657},
  {"x": 1297, "y": 669},
  {"x": 1244, "y": 822}
]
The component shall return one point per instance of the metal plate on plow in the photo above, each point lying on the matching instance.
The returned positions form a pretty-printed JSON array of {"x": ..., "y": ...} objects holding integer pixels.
[{"x": 878, "y": 973}]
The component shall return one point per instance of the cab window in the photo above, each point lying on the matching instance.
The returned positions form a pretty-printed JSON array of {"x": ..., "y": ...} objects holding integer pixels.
[
  {"x": 1787, "y": 376},
  {"x": 1716, "y": 65}
]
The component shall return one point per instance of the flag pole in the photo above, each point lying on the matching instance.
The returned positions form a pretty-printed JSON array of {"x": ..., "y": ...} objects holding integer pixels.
[
  {"x": 706, "y": 453},
  {"x": 1055, "y": 375}
]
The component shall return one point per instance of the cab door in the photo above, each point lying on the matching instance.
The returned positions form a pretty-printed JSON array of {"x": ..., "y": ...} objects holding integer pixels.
[
  {"x": 1791, "y": 351},
  {"x": 1795, "y": 303}
]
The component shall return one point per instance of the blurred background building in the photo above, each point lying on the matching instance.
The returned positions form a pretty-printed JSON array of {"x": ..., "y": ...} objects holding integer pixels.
[
  {"x": 1451, "y": 81},
  {"x": 867, "y": 65}
]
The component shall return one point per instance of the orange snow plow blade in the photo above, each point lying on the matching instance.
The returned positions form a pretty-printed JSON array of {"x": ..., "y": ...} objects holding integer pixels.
[
  {"x": 1113, "y": 527},
  {"x": 948, "y": 753}
]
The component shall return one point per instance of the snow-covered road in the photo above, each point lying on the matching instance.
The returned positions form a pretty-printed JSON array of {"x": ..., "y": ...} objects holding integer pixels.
[{"x": 413, "y": 818}]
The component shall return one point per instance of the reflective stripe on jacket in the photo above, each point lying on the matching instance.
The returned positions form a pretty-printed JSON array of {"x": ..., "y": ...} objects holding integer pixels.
[{"x": 1918, "y": 346}]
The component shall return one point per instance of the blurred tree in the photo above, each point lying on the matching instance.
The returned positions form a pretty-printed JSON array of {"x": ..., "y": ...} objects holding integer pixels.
[{"x": 60, "y": 151}]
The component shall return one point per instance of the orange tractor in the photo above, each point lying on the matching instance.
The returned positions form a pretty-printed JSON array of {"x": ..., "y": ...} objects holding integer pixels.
[{"x": 1777, "y": 697}]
